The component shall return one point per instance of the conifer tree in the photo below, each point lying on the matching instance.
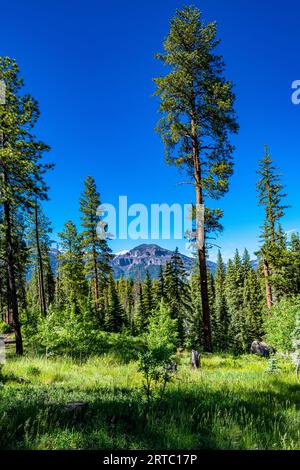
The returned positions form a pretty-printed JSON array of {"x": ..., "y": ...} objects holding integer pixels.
[
  {"x": 96, "y": 250},
  {"x": 21, "y": 260},
  {"x": 197, "y": 106},
  {"x": 115, "y": 315},
  {"x": 270, "y": 197},
  {"x": 220, "y": 331},
  {"x": 244, "y": 303},
  {"x": 148, "y": 299},
  {"x": 160, "y": 286},
  {"x": 177, "y": 293},
  {"x": 21, "y": 169},
  {"x": 71, "y": 266},
  {"x": 295, "y": 266},
  {"x": 246, "y": 263},
  {"x": 253, "y": 308},
  {"x": 39, "y": 242},
  {"x": 234, "y": 284},
  {"x": 234, "y": 298},
  {"x": 282, "y": 278},
  {"x": 140, "y": 319},
  {"x": 130, "y": 301}
]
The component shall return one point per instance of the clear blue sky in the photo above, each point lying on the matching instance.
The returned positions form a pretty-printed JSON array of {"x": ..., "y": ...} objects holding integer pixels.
[{"x": 90, "y": 64}]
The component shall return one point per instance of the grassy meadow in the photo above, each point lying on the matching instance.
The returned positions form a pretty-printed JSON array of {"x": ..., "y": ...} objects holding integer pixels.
[{"x": 231, "y": 403}]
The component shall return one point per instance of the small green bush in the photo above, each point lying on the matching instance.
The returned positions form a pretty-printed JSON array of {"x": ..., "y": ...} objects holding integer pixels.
[
  {"x": 5, "y": 328},
  {"x": 78, "y": 336},
  {"x": 155, "y": 361},
  {"x": 280, "y": 324}
]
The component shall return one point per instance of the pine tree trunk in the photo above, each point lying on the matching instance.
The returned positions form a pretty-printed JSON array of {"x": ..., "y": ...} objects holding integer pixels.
[
  {"x": 12, "y": 291},
  {"x": 96, "y": 280},
  {"x": 207, "y": 340},
  {"x": 40, "y": 263},
  {"x": 268, "y": 287},
  {"x": 9, "y": 319}
]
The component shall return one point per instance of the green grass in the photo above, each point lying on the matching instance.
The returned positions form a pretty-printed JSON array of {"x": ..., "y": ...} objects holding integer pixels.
[{"x": 232, "y": 403}]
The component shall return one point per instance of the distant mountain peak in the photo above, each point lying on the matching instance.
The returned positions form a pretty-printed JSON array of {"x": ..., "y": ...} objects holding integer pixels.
[
  {"x": 136, "y": 262},
  {"x": 121, "y": 253},
  {"x": 148, "y": 257}
]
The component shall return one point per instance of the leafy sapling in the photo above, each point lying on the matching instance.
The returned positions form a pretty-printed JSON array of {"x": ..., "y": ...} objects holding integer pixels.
[{"x": 156, "y": 362}]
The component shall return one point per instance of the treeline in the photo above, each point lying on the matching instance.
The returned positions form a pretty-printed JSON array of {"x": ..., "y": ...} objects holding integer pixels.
[
  {"x": 239, "y": 292},
  {"x": 81, "y": 299}
]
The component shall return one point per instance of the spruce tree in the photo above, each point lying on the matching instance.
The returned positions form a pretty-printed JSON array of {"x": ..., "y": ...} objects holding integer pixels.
[
  {"x": 270, "y": 194},
  {"x": 96, "y": 250},
  {"x": 246, "y": 263},
  {"x": 148, "y": 299},
  {"x": 221, "y": 314},
  {"x": 71, "y": 266},
  {"x": 177, "y": 293},
  {"x": 234, "y": 297},
  {"x": 253, "y": 308},
  {"x": 115, "y": 315},
  {"x": 282, "y": 278}
]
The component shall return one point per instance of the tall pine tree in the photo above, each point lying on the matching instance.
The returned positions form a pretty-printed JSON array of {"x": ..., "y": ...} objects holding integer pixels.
[
  {"x": 197, "y": 106},
  {"x": 96, "y": 250},
  {"x": 21, "y": 170}
]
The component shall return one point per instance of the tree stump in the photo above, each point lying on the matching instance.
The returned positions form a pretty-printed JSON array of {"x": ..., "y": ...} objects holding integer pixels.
[
  {"x": 195, "y": 359},
  {"x": 76, "y": 405},
  {"x": 76, "y": 409}
]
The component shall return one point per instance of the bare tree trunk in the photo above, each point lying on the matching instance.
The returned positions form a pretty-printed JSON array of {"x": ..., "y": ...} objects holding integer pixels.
[
  {"x": 207, "y": 340},
  {"x": 40, "y": 263},
  {"x": 12, "y": 292},
  {"x": 269, "y": 296}
]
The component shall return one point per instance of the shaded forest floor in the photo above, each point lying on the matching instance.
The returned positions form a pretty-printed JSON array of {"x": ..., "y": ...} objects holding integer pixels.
[{"x": 232, "y": 403}]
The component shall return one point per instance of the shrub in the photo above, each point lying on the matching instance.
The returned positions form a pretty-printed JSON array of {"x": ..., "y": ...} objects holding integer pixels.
[
  {"x": 296, "y": 334},
  {"x": 155, "y": 361},
  {"x": 280, "y": 325},
  {"x": 75, "y": 334},
  {"x": 5, "y": 328}
]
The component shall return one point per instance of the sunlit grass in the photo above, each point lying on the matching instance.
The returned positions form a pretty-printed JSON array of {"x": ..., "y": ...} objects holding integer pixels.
[{"x": 231, "y": 403}]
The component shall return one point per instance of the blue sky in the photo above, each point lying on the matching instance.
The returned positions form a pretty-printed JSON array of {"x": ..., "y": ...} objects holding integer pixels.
[{"x": 90, "y": 65}]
